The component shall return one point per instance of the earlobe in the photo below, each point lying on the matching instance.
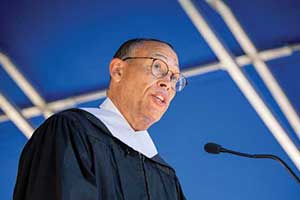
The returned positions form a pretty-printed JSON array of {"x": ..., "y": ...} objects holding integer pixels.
[{"x": 116, "y": 69}]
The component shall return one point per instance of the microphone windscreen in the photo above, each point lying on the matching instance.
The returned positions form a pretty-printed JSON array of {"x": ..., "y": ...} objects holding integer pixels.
[{"x": 212, "y": 148}]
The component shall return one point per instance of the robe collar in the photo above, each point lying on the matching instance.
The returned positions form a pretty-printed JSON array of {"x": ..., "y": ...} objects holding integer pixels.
[
  {"x": 109, "y": 114},
  {"x": 98, "y": 123}
]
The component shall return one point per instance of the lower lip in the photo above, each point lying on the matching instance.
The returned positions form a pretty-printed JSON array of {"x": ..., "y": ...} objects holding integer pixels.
[{"x": 158, "y": 101}]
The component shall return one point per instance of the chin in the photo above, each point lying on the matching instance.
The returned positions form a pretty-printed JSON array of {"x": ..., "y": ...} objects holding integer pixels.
[
  {"x": 152, "y": 115},
  {"x": 155, "y": 118},
  {"x": 150, "y": 120}
]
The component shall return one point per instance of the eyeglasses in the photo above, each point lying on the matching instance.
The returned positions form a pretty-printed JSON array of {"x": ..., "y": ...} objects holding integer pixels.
[{"x": 160, "y": 69}]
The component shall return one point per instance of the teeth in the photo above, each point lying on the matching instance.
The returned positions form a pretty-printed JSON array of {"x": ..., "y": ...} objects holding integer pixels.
[{"x": 160, "y": 97}]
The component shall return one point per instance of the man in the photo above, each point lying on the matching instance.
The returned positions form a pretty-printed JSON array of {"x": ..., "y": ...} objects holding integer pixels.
[{"x": 107, "y": 153}]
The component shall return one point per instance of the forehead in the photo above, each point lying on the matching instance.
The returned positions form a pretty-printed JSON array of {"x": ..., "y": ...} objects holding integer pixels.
[{"x": 157, "y": 50}]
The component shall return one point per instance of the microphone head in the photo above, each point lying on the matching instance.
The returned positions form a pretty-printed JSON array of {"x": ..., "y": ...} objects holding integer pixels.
[{"x": 212, "y": 148}]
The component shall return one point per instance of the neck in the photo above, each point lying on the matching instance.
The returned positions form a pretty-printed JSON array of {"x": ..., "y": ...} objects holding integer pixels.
[{"x": 137, "y": 123}]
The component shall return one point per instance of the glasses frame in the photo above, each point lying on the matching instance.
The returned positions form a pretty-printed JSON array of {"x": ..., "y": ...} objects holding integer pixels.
[{"x": 153, "y": 60}]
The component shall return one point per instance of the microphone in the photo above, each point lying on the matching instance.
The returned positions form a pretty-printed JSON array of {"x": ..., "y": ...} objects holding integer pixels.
[
  {"x": 216, "y": 149},
  {"x": 213, "y": 148}
]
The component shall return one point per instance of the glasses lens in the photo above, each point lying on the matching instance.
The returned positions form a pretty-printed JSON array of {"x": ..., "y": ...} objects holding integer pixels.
[
  {"x": 159, "y": 68},
  {"x": 181, "y": 83}
]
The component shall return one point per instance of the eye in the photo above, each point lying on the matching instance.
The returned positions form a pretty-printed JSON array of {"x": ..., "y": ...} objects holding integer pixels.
[
  {"x": 159, "y": 69},
  {"x": 157, "y": 66},
  {"x": 175, "y": 78}
]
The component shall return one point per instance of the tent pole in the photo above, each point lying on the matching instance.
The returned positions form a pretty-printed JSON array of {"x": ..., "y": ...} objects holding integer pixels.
[
  {"x": 73, "y": 101},
  {"x": 260, "y": 66},
  {"x": 15, "y": 116},
  {"x": 242, "y": 82},
  {"x": 25, "y": 86}
]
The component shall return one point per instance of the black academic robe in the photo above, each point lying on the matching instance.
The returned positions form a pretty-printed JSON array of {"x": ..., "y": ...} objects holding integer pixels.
[{"x": 73, "y": 156}]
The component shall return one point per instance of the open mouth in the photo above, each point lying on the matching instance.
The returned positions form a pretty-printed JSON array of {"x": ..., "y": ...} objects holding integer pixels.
[{"x": 160, "y": 99}]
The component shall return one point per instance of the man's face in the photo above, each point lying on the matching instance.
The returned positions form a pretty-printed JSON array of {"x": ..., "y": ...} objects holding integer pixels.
[{"x": 146, "y": 97}]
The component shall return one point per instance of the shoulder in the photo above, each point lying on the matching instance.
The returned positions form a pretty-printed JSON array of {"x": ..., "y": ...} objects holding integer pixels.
[
  {"x": 72, "y": 114},
  {"x": 84, "y": 121},
  {"x": 67, "y": 119},
  {"x": 75, "y": 116},
  {"x": 71, "y": 120}
]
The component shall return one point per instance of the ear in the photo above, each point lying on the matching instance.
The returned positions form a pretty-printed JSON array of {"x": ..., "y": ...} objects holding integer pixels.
[{"x": 116, "y": 69}]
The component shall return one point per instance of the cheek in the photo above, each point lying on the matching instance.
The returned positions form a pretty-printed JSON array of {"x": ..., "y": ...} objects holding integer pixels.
[
  {"x": 138, "y": 86},
  {"x": 146, "y": 85},
  {"x": 138, "y": 93},
  {"x": 139, "y": 79}
]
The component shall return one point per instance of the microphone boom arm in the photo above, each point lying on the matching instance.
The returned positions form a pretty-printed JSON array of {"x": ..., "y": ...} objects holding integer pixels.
[{"x": 269, "y": 156}]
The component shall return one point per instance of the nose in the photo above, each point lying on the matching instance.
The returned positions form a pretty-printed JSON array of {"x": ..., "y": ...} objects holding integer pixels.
[
  {"x": 164, "y": 85},
  {"x": 165, "y": 82}
]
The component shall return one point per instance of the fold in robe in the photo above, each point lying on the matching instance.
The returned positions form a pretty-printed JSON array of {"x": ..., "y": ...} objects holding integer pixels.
[{"x": 73, "y": 156}]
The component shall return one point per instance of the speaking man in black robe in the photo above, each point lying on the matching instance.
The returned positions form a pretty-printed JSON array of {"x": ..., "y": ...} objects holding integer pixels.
[{"x": 106, "y": 153}]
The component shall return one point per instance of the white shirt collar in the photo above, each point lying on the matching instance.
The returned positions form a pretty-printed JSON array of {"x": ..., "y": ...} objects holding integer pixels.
[{"x": 120, "y": 128}]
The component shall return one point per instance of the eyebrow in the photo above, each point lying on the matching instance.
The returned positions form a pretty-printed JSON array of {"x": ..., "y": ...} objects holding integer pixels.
[{"x": 160, "y": 55}]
